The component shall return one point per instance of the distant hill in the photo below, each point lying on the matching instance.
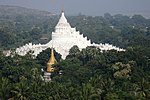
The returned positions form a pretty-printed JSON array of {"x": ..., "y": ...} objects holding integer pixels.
[
  {"x": 19, "y": 25},
  {"x": 16, "y": 10}
]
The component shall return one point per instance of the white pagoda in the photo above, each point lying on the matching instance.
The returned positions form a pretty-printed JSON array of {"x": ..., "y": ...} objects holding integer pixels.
[{"x": 63, "y": 38}]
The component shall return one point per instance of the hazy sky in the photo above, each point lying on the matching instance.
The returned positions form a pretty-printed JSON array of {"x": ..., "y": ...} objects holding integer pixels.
[{"x": 87, "y": 7}]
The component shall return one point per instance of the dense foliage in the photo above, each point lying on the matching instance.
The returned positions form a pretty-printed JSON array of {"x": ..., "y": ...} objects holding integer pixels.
[{"x": 84, "y": 75}]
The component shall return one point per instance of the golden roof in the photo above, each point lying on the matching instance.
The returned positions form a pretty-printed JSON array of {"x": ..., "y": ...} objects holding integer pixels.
[{"x": 51, "y": 61}]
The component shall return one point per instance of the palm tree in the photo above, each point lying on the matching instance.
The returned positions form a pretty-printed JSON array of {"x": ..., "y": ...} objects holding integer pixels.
[
  {"x": 88, "y": 92},
  {"x": 140, "y": 90},
  {"x": 21, "y": 90},
  {"x": 143, "y": 88},
  {"x": 4, "y": 88}
]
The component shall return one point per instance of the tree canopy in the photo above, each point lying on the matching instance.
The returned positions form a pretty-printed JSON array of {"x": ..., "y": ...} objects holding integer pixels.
[{"x": 88, "y": 74}]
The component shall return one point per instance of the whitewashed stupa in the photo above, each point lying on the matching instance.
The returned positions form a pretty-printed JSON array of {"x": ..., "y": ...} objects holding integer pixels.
[{"x": 63, "y": 38}]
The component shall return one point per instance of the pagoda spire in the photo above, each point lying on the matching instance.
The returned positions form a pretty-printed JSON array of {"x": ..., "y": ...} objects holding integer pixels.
[
  {"x": 51, "y": 61},
  {"x": 62, "y": 23}
]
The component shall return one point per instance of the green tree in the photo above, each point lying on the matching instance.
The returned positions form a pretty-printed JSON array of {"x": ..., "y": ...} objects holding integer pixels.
[
  {"x": 21, "y": 90},
  {"x": 88, "y": 92},
  {"x": 4, "y": 88},
  {"x": 74, "y": 52},
  {"x": 121, "y": 70}
]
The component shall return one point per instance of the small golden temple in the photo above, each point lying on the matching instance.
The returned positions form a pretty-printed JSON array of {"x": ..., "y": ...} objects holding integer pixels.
[
  {"x": 50, "y": 68},
  {"x": 50, "y": 62}
]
